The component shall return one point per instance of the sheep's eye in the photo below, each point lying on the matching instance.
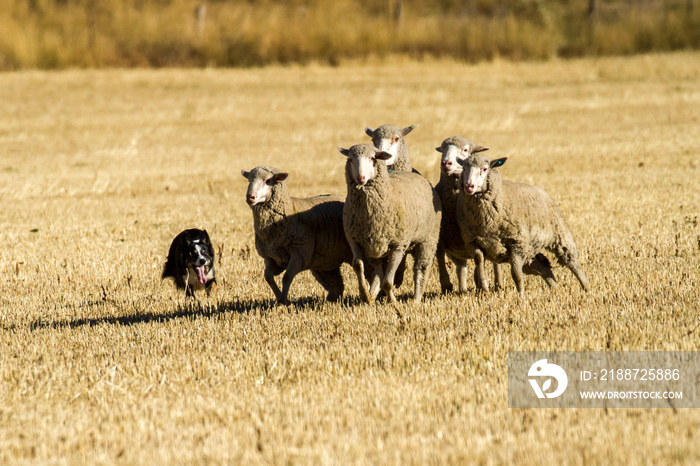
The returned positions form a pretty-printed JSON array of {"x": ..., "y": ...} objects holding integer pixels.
[
  {"x": 396, "y": 139},
  {"x": 372, "y": 159}
]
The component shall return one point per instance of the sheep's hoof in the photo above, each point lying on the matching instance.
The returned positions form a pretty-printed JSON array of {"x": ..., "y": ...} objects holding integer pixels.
[
  {"x": 447, "y": 289},
  {"x": 364, "y": 296}
]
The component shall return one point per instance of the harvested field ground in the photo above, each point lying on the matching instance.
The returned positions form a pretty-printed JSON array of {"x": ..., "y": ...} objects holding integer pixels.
[{"x": 101, "y": 362}]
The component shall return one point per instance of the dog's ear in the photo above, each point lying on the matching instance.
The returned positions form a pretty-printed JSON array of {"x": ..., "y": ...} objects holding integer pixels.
[
  {"x": 245, "y": 174},
  {"x": 186, "y": 235},
  {"x": 205, "y": 238}
]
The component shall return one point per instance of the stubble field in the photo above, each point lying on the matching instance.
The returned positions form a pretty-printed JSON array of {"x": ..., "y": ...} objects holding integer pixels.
[{"x": 101, "y": 362}]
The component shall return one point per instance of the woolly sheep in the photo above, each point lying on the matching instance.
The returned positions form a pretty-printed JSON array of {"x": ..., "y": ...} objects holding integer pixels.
[
  {"x": 390, "y": 139},
  {"x": 514, "y": 222},
  {"x": 387, "y": 215},
  {"x": 294, "y": 234},
  {"x": 454, "y": 149}
]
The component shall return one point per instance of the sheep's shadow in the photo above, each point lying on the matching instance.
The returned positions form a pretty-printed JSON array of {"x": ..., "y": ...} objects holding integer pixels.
[
  {"x": 195, "y": 308},
  {"x": 183, "y": 310}
]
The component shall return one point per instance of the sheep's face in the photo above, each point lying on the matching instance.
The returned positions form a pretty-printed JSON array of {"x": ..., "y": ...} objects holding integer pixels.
[
  {"x": 389, "y": 139},
  {"x": 261, "y": 181},
  {"x": 454, "y": 150},
  {"x": 475, "y": 174},
  {"x": 362, "y": 163}
]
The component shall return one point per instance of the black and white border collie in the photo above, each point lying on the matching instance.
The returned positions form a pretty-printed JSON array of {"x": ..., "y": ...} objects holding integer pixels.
[{"x": 191, "y": 262}]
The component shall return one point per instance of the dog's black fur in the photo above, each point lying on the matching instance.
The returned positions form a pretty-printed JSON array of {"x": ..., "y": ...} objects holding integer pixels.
[{"x": 191, "y": 261}]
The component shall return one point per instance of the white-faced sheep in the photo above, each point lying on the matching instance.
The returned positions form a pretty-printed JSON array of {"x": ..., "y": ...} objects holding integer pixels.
[
  {"x": 513, "y": 222},
  {"x": 294, "y": 234},
  {"x": 454, "y": 149},
  {"x": 387, "y": 215},
  {"x": 390, "y": 139}
]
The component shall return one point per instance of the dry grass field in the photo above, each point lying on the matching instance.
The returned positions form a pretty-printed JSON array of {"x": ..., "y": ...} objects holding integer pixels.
[{"x": 101, "y": 362}]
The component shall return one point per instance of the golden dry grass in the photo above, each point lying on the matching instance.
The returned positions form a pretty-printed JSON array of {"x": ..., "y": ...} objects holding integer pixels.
[
  {"x": 61, "y": 34},
  {"x": 101, "y": 362}
]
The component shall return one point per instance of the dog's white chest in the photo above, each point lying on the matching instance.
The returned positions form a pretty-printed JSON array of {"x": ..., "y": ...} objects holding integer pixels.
[{"x": 191, "y": 279}]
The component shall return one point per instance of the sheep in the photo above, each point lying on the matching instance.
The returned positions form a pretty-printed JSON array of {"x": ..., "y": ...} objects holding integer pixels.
[
  {"x": 387, "y": 215},
  {"x": 453, "y": 149},
  {"x": 390, "y": 139},
  {"x": 515, "y": 222},
  {"x": 294, "y": 234}
]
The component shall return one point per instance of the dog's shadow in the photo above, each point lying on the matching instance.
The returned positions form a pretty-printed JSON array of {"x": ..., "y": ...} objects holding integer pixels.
[{"x": 188, "y": 309}]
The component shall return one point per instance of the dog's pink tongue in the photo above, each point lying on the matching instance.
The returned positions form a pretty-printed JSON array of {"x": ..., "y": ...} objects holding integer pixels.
[{"x": 200, "y": 275}]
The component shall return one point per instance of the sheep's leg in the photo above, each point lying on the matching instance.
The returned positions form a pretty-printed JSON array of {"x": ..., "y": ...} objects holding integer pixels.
[
  {"x": 461, "y": 268},
  {"x": 295, "y": 266},
  {"x": 516, "y": 270},
  {"x": 445, "y": 284},
  {"x": 479, "y": 276},
  {"x": 398, "y": 277},
  {"x": 272, "y": 269},
  {"x": 377, "y": 276},
  {"x": 497, "y": 277},
  {"x": 359, "y": 268},
  {"x": 575, "y": 266},
  {"x": 395, "y": 259},
  {"x": 332, "y": 281},
  {"x": 421, "y": 269}
]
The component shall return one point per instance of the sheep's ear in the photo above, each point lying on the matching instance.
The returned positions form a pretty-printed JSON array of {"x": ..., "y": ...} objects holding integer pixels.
[
  {"x": 407, "y": 130},
  {"x": 439, "y": 149},
  {"x": 383, "y": 155},
  {"x": 498, "y": 162},
  {"x": 369, "y": 131},
  {"x": 345, "y": 152},
  {"x": 477, "y": 148},
  {"x": 280, "y": 177},
  {"x": 245, "y": 174}
]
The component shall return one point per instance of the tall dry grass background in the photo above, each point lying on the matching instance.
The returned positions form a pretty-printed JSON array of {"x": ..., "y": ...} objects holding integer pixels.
[
  {"x": 51, "y": 34},
  {"x": 100, "y": 361}
]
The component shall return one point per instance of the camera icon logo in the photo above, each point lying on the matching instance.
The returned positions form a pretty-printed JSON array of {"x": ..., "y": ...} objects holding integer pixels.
[{"x": 542, "y": 369}]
